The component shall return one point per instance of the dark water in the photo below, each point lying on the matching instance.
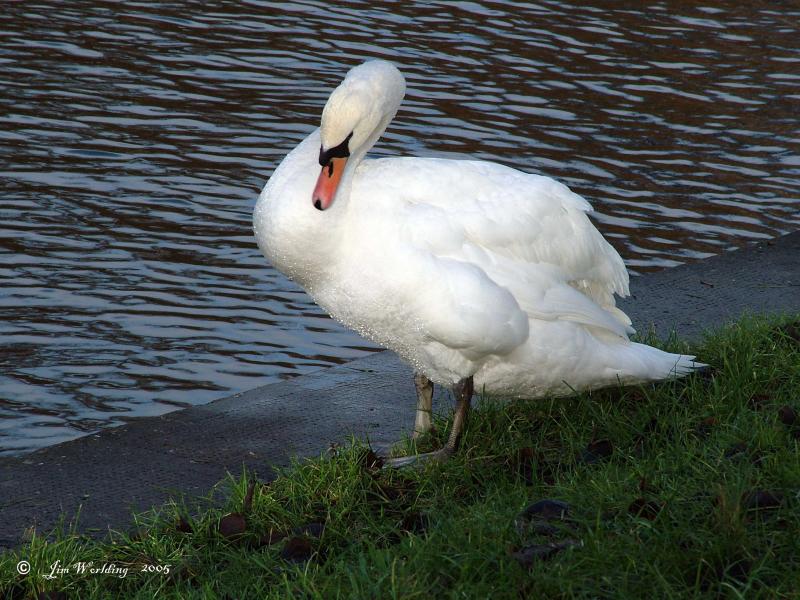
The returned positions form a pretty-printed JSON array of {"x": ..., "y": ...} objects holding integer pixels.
[{"x": 135, "y": 136}]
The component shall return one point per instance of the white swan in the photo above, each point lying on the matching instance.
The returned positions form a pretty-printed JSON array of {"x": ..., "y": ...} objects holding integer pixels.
[{"x": 468, "y": 270}]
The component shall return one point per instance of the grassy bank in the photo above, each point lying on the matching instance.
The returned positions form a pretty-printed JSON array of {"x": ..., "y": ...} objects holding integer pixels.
[{"x": 684, "y": 489}]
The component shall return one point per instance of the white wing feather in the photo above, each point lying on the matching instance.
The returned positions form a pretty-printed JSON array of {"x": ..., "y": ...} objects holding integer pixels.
[{"x": 503, "y": 246}]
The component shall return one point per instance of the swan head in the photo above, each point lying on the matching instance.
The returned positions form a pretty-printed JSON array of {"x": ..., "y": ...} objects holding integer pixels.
[{"x": 353, "y": 119}]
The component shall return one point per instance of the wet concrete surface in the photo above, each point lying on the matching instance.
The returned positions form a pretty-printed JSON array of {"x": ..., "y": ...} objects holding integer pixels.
[{"x": 184, "y": 454}]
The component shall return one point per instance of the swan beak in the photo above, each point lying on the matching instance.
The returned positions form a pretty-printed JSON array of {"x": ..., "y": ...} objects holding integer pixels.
[{"x": 327, "y": 183}]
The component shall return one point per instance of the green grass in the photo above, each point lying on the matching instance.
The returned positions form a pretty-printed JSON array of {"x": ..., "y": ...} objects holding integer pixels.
[{"x": 662, "y": 484}]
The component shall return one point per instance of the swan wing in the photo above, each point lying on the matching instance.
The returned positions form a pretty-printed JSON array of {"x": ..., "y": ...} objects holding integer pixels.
[
  {"x": 528, "y": 217},
  {"x": 443, "y": 299},
  {"x": 489, "y": 247}
]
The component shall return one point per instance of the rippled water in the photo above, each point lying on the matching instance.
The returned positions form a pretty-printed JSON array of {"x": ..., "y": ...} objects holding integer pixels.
[{"x": 134, "y": 138}]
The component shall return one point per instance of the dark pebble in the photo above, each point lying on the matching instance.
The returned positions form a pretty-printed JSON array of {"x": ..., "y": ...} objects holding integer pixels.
[
  {"x": 787, "y": 415},
  {"x": 536, "y": 517},
  {"x": 546, "y": 510},
  {"x": 232, "y": 525},
  {"x": 527, "y": 556},
  {"x": 762, "y": 500},
  {"x": 297, "y": 549}
]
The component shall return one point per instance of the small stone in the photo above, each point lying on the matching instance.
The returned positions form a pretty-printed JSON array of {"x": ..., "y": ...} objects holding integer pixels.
[
  {"x": 762, "y": 500},
  {"x": 787, "y": 415},
  {"x": 536, "y": 517},
  {"x": 547, "y": 510},
  {"x": 297, "y": 549},
  {"x": 232, "y": 525},
  {"x": 528, "y": 555}
]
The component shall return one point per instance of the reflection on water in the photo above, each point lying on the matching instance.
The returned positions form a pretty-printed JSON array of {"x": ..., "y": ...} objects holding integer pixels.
[{"x": 134, "y": 138}]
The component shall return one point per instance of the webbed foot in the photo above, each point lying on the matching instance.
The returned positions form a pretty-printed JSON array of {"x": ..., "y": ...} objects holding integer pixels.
[{"x": 440, "y": 455}]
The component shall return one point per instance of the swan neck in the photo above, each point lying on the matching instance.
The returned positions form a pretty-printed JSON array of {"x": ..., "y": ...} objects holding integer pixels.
[{"x": 359, "y": 154}]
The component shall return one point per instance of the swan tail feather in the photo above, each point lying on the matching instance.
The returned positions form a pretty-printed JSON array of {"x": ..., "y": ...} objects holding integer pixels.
[
  {"x": 686, "y": 365},
  {"x": 657, "y": 364}
]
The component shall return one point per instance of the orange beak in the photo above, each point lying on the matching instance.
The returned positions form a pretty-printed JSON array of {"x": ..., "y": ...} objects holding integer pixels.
[{"x": 327, "y": 183}]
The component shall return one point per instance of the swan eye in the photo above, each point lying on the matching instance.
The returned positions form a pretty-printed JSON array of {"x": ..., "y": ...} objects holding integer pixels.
[{"x": 340, "y": 151}]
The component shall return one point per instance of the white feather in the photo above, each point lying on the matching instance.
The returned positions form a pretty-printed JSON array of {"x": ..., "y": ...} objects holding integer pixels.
[{"x": 461, "y": 267}]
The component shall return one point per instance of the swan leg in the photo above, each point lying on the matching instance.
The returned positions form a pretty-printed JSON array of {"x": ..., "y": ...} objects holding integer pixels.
[
  {"x": 424, "y": 421},
  {"x": 463, "y": 391}
]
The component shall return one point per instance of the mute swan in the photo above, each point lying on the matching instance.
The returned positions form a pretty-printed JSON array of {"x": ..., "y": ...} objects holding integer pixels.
[{"x": 476, "y": 274}]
